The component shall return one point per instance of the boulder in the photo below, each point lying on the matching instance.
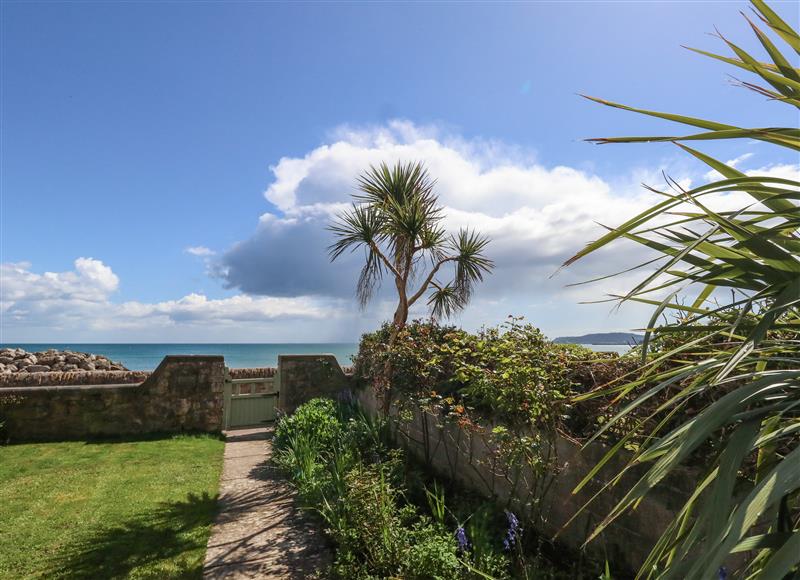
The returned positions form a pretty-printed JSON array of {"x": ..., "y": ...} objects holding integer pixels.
[
  {"x": 51, "y": 360},
  {"x": 37, "y": 369}
]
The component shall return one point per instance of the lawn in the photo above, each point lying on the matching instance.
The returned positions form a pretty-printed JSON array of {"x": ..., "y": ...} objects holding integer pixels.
[{"x": 103, "y": 509}]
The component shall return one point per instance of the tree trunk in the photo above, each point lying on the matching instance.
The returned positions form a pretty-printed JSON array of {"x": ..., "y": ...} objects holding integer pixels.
[{"x": 398, "y": 323}]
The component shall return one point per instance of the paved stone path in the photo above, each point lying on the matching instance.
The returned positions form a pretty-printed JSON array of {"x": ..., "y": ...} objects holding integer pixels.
[{"x": 259, "y": 531}]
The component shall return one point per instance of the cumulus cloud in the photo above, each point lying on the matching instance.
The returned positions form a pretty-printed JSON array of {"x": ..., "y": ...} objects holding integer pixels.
[
  {"x": 537, "y": 216},
  {"x": 82, "y": 300},
  {"x": 91, "y": 280},
  {"x": 782, "y": 170}
]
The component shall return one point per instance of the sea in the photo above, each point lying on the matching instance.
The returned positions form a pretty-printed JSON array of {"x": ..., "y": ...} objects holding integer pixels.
[{"x": 145, "y": 357}]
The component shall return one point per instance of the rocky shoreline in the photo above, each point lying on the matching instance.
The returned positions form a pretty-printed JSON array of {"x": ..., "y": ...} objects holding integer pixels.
[{"x": 17, "y": 360}]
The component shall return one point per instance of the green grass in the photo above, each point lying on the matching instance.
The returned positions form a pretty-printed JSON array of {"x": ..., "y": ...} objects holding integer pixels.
[{"x": 136, "y": 509}]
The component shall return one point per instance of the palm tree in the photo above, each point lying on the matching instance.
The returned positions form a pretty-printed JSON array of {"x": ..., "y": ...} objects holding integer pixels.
[
  {"x": 396, "y": 219},
  {"x": 735, "y": 362}
]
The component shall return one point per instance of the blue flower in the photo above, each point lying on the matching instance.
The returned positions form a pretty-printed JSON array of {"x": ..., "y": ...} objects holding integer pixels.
[
  {"x": 461, "y": 538},
  {"x": 512, "y": 533},
  {"x": 722, "y": 573},
  {"x": 346, "y": 397}
]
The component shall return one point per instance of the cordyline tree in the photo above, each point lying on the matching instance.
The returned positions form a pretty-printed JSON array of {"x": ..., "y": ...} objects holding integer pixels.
[
  {"x": 733, "y": 377},
  {"x": 396, "y": 220}
]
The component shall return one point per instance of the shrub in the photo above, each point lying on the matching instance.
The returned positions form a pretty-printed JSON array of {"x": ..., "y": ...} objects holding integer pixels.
[
  {"x": 510, "y": 373},
  {"x": 317, "y": 421},
  {"x": 338, "y": 459},
  {"x": 372, "y": 501}
]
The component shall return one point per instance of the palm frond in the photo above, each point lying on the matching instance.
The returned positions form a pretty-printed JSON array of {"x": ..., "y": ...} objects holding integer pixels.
[{"x": 737, "y": 361}]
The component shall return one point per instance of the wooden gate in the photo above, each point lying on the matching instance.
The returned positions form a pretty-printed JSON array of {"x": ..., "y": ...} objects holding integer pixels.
[{"x": 249, "y": 402}]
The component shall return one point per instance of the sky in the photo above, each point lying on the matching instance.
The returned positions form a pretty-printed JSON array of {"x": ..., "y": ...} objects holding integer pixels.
[{"x": 168, "y": 169}]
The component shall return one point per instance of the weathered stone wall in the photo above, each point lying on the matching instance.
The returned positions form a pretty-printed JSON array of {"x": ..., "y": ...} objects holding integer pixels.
[
  {"x": 305, "y": 376},
  {"x": 99, "y": 377},
  {"x": 185, "y": 393},
  {"x": 469, "y": 457},
  {"x": 15, "y": 380},
  {"x": 253, "y": 373}
]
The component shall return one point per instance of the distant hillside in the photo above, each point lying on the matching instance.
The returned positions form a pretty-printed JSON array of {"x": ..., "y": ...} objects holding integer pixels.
[{"x": 602, "y": 338}]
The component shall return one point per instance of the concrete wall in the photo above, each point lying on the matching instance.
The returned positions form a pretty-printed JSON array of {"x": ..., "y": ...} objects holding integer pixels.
[{"x": 183, "y": 394}]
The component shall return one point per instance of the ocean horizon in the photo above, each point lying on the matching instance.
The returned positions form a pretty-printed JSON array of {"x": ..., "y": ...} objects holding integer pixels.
[{"x": 146, "y": 356}]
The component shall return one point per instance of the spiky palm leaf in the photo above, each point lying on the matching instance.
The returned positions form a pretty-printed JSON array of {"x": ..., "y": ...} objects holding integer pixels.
[
  {"x": 740, "y": 360},
  {"x": 397, "y": 221}
]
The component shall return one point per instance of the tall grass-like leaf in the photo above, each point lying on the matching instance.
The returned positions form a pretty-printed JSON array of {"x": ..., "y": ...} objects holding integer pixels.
[{"x": 736, "y": 360}]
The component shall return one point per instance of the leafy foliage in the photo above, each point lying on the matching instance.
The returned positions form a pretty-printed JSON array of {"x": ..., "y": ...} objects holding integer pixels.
[
  {"x": 317, "y": 421},
  {"x": 396, "y": 220},
  {"x": 346, "y": 472},
  {"x": 510, "y": 373},
  {"x": 365, "y": 492},
  {"x": 740, "y": 358}
]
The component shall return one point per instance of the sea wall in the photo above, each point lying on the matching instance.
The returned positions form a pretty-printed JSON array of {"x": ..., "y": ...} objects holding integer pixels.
[
  {"x": 185, "y": 393},
  {"x": 17, "y": 360},
  {"x": 56, "y": 378}
]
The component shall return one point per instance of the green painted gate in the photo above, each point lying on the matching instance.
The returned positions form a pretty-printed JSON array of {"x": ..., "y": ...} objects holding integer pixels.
[{"x": 250, "y": 402}]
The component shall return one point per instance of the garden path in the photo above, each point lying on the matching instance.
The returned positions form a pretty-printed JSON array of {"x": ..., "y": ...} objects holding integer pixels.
[{"x": 260, "y": 531}]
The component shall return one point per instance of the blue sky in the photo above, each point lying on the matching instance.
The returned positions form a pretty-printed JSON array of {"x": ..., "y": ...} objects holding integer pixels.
[{"x": 132, "y": 131}]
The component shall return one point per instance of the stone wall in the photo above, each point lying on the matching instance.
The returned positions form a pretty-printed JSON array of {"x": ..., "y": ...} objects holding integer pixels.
[
  {"x": 469, "y": 457},
  {"x": 185, "y": 393},
  {"x": 39, "y": 379},
  {"x": 253, "y": 373},
  {"x": 305, "y": 376},
  {"x": 55, "y": 378}
]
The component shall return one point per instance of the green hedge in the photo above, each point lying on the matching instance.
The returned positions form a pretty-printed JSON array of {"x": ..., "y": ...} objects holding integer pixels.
[{"x": 510, "y": 373}]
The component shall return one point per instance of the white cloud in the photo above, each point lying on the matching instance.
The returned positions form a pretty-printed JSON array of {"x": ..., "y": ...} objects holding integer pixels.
[
  {"x": 200, "y": 251},
  {"x": 537, "y": 216},
  {"x": 91, "y": 280},
  {"x": 781, "y": 170},
  {"x": 784, "y": 170},
  {"x": 80, "y": 300}
]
